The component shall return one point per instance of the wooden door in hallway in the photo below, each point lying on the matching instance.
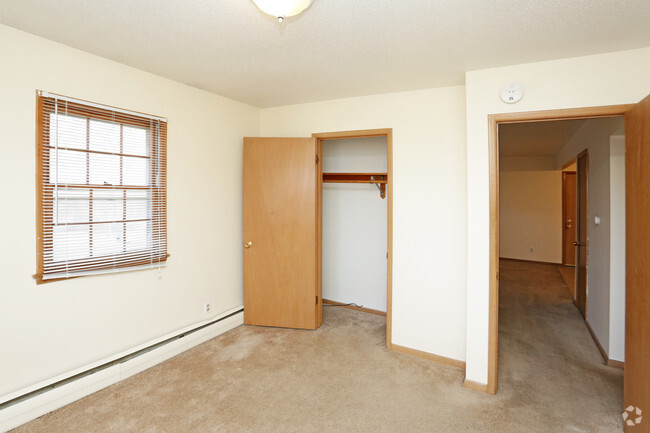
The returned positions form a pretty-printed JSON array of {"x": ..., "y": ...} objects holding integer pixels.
[
  {"x": 280, "y": 232},
  {"x": 581, "y": 234},
  {"x": 569, "y": 218},
  {"x": 637, "y": 271}
]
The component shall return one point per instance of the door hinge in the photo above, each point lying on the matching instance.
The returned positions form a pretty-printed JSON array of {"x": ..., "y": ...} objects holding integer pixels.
[
  {"x": 316, "y": 159},
  {"x": 316, "y": 299}
]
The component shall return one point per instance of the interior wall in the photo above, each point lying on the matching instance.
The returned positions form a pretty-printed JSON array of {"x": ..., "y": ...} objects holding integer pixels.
[
  {"x": 617, "y": 248},
  {"x": 355, "y": 224},
  {"x": 530, "y": 215},
  {"x": 50, "y": 329},
  {"x": 594, "y": 136},
  {"x": 526, "y": 163},
  {"x": 605, "y": 79},
  {"x": 429, "y": 207}
]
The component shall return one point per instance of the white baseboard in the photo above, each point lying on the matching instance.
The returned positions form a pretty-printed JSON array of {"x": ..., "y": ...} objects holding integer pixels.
[{"x": 30, "y": 409}]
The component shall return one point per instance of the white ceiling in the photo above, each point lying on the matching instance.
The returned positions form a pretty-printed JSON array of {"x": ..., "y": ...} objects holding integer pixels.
[{"x": 335, "y": 49}]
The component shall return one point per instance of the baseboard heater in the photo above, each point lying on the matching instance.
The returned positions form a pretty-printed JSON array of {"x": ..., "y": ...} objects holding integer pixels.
[{"x": 109, "y": 364}]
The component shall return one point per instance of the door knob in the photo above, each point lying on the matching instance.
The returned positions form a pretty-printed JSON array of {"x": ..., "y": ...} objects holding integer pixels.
[
  {"x": 578, "y": 244},
  {"x": 248, "y": 244}
]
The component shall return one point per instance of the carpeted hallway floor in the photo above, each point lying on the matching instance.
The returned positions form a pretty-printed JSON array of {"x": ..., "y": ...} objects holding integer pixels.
[{"x": 341, "y": 378}]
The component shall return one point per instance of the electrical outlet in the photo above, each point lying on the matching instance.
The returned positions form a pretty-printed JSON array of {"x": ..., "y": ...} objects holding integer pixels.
[{"x": 206, "y": 307}]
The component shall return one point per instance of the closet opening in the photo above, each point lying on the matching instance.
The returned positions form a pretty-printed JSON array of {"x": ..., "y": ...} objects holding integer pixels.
[{"x": 355, "y": 221}]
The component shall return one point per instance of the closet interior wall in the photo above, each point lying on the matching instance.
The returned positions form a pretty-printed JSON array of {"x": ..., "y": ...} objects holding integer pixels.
[{"x": 355, "y": 224}]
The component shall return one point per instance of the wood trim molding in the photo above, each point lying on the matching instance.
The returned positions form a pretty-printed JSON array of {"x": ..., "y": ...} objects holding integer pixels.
[
  {"x": 475, "y": 386},
  {"x": 319, "y": 234},
  {"x": 598, "y": 345},
  {"x": 430, "y": 356},
  {"x": 530, "y": 261},
  {"x": 39, "y": 190},
  {"x": 389, "y": 265},
  {"x": 563, "y": 114},
  {"x": 616, "y": 364},
  {"x": 569, "y": 163},
  {"x": 388, "y": 133},
  {"x": 354, "y": 307},
  {"x": 353, "y": 134},
  {"x": 493, "y": 151},
  {"x": 609, "y": 362}
]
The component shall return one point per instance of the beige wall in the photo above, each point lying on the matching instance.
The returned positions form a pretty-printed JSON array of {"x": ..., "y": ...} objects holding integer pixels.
[
  {"x": 603, "y": 186},
  {"x": 50, "y": 329},
  {"x": 605, "y": 79},
  {"x": 526, "y": 163},
  {"x": 530, "y": 217},
  {"x": 429, "y": 224}
]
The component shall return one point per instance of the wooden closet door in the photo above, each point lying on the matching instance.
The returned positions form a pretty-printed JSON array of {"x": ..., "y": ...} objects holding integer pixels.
[{"x": 280, "y": 232}]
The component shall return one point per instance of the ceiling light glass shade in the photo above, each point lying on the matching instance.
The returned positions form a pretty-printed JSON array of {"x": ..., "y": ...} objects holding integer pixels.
[{"x": 282, "y": 8}]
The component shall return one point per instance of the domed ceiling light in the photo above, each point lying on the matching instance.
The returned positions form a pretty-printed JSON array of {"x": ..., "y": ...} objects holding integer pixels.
[{"x": 282, "y": 8}]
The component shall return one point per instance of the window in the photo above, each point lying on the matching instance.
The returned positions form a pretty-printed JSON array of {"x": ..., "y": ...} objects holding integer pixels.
[{"x": 101, "y": 189}]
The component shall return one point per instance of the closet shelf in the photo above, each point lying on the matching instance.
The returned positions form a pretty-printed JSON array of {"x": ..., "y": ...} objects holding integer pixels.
[{"x": 378, "y": 179}]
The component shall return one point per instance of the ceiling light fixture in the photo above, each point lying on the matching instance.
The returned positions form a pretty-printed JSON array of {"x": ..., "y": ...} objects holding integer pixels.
[{"x": 282, "y": 8}]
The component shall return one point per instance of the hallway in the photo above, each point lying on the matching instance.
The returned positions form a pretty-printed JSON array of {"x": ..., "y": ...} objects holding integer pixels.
[{"x": 547, "y": 358}]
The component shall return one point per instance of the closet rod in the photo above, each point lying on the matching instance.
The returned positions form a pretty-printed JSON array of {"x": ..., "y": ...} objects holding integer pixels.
[{"x": 378, "y": 179}]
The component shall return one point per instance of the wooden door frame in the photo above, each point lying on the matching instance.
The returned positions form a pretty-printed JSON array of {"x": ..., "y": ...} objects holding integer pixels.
[
  {"x": 564, "y": 176},
  {"x": 388, "y": 133},
  {"x": 493, "y": 148}
]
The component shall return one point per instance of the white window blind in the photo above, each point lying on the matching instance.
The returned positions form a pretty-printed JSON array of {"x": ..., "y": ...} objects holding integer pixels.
[{"x": 101, "y": 183}]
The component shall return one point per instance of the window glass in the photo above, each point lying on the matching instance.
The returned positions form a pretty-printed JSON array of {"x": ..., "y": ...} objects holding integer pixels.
[
  {"x": 104, "y": 136},
  {"x": 136, "y": 235},
  {"x": 67, "y": 167},
  {"x": 135, "y": 171},
  {"x": 135, "y": 141},
  {"x": 108, "y": 205},
  {"x": 104, "y": 169},
  {"x": 70, "y": 242},
  {"x": 107, "y": 238},
  {"x": 71, "y": 206},
  {"x": 138, "y": 205},
  {"x": 67, "y": 131}
]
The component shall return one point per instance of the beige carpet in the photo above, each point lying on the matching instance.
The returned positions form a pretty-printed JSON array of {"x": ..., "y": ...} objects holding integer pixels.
[{"x": 340, "y": 378}]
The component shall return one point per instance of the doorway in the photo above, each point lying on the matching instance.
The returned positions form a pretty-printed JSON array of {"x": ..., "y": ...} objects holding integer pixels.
[
  {"x": 355, "y": 223},
  {"x": 635, "y": 155},
  {"x": 494, "y": 122},
  {"x": 383, "y": 182}
]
